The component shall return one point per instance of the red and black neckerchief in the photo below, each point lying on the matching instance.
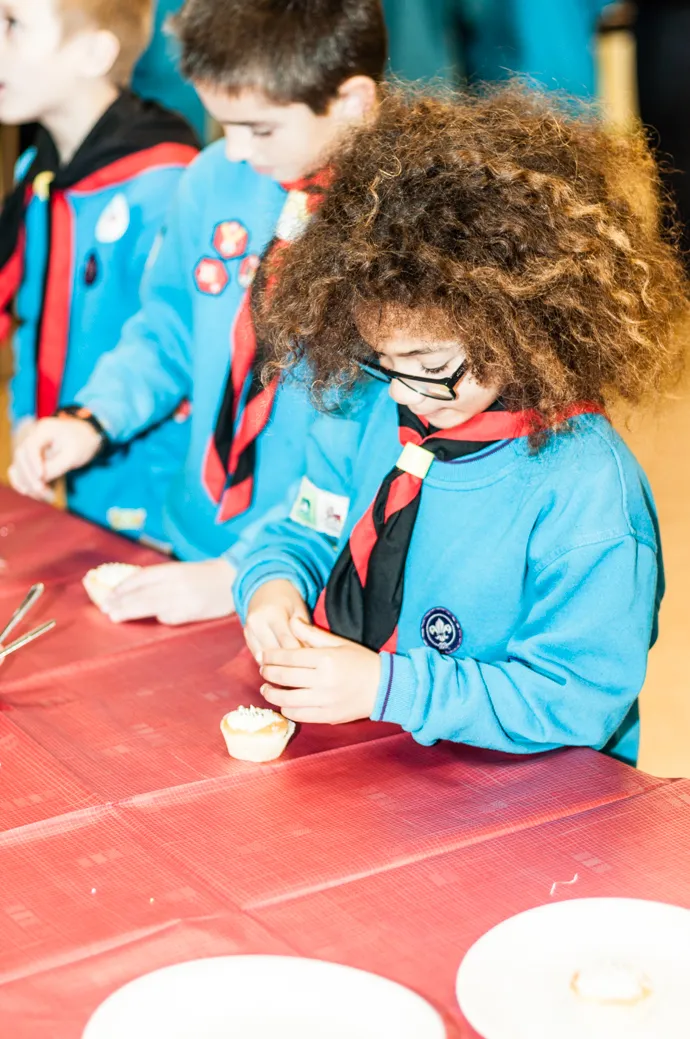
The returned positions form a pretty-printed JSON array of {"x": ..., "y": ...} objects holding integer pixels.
[
  {"x": 230, "y": 461},
  {"x": 364, "y": 594},
  {"x": 130, "y": 137}
]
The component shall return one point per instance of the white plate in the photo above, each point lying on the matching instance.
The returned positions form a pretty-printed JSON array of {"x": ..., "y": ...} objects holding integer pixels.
[
  {"x": 519, "y": 980},
  {"x": 263, "y": 997}
]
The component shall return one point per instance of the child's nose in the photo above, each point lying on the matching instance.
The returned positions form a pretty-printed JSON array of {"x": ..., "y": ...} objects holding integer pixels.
[
  {"x": 402, "y": 394},
  {"x": 238, "y": 145}
]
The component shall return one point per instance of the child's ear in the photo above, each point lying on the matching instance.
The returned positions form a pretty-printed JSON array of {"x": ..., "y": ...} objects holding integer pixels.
[
  {"x": 98, "y": 52},
  {"x": 357, "y": 98}
]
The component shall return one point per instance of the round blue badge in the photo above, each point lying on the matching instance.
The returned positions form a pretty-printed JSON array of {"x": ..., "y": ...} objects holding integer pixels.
[{"x": 441, "y": 630}]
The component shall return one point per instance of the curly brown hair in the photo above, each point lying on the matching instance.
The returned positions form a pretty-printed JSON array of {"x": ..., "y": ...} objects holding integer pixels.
[{"x": 524, "y": 220}]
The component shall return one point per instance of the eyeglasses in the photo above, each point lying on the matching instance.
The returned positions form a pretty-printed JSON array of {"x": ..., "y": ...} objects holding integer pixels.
[{"x": 426, "y": 386}]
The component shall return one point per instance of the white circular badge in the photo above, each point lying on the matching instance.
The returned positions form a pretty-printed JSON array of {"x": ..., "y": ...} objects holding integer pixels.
[{"x": 114, "y": 220}]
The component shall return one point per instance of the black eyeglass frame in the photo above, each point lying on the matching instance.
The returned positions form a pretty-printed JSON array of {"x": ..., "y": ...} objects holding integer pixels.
[{"x": 451, "y": 382}]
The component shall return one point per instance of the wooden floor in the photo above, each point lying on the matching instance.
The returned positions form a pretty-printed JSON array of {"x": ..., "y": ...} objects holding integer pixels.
[{"x": 661, "y": 441}]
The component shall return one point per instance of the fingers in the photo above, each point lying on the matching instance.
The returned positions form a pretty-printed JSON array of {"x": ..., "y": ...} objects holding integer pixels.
[
  {"x": 174, "y": 593},
  {"x": 268, "y": 624},
  {"x": 144, "y": 578},
  {"x": 301, "y": 612},
  {"x": 55, "y": 463},
  {"x": 286, "y": 638},
  {"x": 31, "y": 458},
  {"x": 300, "y": 705},
  {"x": 16, "y": 483},
  {"x": 49, "y": 450},
  {"x": 137, "y": 604},
  {"x": 171, "y": 619},
  {"x": 309, "y": 673},
  {"x": 70, "y": 443},
  {"x": 279, "y": 620},
  {"x": 268, "y": 629},
  {"x": 253, "y": 646},
  {"x": 26, "y": 473},
  {"x": 295, "y": 658},
  {"x": 140, "y": 596},
  {"x": 290, "y": 699},
  {"x": 293, "y": 677},
  {"x": 308, "y": 635},
  {"x": 309, "y": 716}
]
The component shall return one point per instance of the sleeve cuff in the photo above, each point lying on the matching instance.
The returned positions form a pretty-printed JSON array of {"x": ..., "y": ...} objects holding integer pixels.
[{"x": 396, "y": 695}]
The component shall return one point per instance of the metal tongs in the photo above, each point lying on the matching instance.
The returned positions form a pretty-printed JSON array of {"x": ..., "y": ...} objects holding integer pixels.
[{"x": 17, "y": 617}]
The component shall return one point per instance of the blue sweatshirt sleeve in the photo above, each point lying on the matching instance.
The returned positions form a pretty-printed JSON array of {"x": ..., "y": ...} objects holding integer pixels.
[
  {"x": 571, "y": 672},
  {"x": 296, "y": 549},
  {"x": 242, "y": 546},
  {"x": 289, "y": 552},
  {"x": 146, "y": 376}
]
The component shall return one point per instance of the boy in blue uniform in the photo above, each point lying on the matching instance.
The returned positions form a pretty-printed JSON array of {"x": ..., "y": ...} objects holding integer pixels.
[
  {"x": 497, "y": 581},
  {"x": 285, "y": 82},
  {"x": 75, "y": 233}
]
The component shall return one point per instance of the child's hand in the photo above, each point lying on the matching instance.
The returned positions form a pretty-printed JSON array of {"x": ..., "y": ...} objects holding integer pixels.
[
  {"x": 331, "y": 680},
  {"x": 175, "y": 593},
  {"x": 51, "y": 448},
  {"x": 270, "y": 611}
]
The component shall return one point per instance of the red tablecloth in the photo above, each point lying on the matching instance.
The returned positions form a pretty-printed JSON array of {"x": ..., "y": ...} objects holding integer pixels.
[
  {"x": 129, "y": 840},
  {"x": 38, "y": 543}
]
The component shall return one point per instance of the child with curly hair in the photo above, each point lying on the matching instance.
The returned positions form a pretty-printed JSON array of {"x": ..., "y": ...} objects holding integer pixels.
[{"x": 498, "y": 262}]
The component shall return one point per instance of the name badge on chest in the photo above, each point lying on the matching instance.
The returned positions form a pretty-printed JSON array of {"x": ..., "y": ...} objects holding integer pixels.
[{"x": 415, "y": 460}]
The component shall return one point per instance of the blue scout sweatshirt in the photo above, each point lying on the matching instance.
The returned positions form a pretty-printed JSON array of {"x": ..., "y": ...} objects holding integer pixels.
[
  {"x": 532, "y": 585},
  {"x": 179, "y": 345},
  {"x": 81, "y": 252}
]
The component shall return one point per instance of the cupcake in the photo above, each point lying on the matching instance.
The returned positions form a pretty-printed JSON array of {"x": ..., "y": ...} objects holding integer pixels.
[
  {"x": 256, "y": 733},
  {"x": 99, "y": 583}
]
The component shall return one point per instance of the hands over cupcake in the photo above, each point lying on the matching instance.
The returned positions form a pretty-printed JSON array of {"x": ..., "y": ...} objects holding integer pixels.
[{"x": 328, "y": 680}]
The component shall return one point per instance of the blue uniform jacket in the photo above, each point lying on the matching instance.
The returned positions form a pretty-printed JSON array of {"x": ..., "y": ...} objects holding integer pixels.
[
  {"x": 179, "y": 346},
  {"x": 532, "y": 584},
  {"x": 82, "y": 250}
]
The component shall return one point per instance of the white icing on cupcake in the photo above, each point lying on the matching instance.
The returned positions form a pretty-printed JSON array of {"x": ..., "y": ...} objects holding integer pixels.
[{"x": 252, "y": 719}]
